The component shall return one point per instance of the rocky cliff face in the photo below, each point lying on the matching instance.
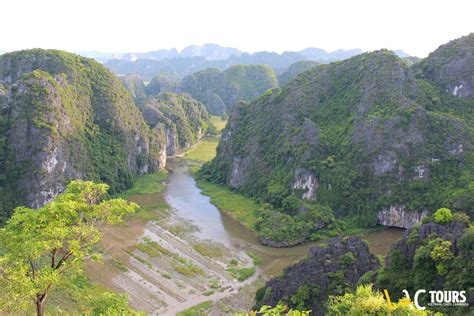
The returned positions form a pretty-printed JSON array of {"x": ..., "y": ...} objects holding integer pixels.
[
  {"x": 65, "y": 117},
  {"x": 183, "y": 119},
  {"x": 361, "y": 136},
  {"x": 329, "y": 269},
  {"x": 398, "y": 216}
]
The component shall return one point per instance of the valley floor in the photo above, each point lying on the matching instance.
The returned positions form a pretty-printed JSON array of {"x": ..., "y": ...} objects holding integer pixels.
[
  {"x": 160, "y": 259},
  {"x": 158, "y": 262}
]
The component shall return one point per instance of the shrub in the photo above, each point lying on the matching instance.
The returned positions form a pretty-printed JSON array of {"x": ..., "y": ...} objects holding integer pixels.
[
  {"x": 347, "y": 259},
  {"x": 443, "y": 216}
]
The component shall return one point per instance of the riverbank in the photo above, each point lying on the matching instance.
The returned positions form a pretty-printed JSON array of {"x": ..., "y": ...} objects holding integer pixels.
[
  {"x": 157, "y": 260},
  {"x": 185, "y": 251}
]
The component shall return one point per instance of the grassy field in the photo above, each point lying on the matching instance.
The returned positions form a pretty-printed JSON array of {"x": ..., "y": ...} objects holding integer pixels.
[
  {"x": 144, "y": 192},
  {"x": 148, "y": 184},
  {"x": 236, "y": 205},
  {"x": 218, "y": 122},
  {"x": 204, "y": 151},
  {"x": 198, "y": 310}
]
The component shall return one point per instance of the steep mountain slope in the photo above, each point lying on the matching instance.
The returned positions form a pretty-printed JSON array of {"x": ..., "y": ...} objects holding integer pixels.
[
  {"x": 183, "y": 119},
  {"x": 362, "y": 136},
  {"x": 451, "y": 67},
  {"x": 219, "y": 90},
  {"x": 294, "y": 70},
  {"x": 63, "y": 117}
]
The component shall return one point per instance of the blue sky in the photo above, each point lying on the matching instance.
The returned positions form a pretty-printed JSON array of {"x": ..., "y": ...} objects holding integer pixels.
[{"x": 415, "y": 26}]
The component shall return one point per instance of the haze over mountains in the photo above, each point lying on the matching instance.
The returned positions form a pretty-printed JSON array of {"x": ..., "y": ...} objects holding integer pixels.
[
  {"x": 214, "y": 52},
  {"x": 171, "y": 62}
]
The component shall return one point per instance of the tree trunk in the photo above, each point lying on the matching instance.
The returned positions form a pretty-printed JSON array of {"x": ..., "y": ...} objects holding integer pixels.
[{"x": 40, "y": 306}]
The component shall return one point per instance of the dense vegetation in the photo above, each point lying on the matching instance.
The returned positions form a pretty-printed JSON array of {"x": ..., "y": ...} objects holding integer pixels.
[
  {"x": 64, "y": 117},
  {"x": 45, "y": 248},
  {"x": 357, "y": 137},
  {"x": 365, "y": 301},
  {"x": 219, "y": 90}
]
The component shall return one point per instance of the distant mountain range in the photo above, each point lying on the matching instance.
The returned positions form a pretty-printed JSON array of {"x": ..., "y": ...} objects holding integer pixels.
[
  {"x": 213, "y": 52},
  {"x": 195, "y": 58}
]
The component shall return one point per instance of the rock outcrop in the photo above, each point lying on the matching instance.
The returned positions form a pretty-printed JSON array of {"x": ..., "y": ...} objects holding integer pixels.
[{"x": 329, "y": 269}]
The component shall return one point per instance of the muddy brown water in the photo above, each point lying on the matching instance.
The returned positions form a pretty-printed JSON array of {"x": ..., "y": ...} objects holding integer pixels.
[{"x": 183, "y": 195}]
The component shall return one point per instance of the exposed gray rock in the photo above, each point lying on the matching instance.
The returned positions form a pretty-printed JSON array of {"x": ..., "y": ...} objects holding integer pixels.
[
  {"x": 307, "y": 182},
  {"x": 237, "y": 178},
  {"x": 398, "y": 216}
]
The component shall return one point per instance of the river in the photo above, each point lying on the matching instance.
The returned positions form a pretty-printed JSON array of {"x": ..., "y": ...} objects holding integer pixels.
[{"x": 186, "y": 199}]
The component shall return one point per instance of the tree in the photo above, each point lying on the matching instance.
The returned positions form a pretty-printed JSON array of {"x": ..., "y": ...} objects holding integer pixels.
[
  {"x": 443, "y": 216},
  {"x": 42, "y": 248}
]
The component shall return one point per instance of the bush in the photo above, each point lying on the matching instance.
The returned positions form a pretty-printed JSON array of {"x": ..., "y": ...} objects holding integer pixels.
[
  {"x": 443, "y": 216},
  {"x": 347, "y": 259}
]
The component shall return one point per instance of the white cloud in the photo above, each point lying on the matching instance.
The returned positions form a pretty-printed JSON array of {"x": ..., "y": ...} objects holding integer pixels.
[{"x": 417, "y": 27}]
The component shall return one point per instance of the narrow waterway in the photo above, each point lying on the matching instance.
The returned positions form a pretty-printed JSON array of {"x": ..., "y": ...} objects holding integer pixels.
[{"x": 186, "y": 199}]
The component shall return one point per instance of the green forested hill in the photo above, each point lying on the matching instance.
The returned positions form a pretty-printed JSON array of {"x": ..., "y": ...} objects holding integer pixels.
[
  {"x": 219, "y": 90},
  {"x": 63, "y": 117},
  {"x": 161, "y": 84},
  {"x": 364, "y": 136},
  {"x": 183, "y": 119}
]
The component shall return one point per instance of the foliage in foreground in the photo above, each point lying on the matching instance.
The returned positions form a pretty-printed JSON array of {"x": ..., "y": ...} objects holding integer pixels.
[
  {"x": 278, "y": 310},
  {"x": 43, "y": 248},
  {"x": 366, "y": 301}
]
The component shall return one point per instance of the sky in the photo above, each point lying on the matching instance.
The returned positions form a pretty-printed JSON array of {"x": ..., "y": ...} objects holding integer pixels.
[{"x": 415, "y": 26}]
